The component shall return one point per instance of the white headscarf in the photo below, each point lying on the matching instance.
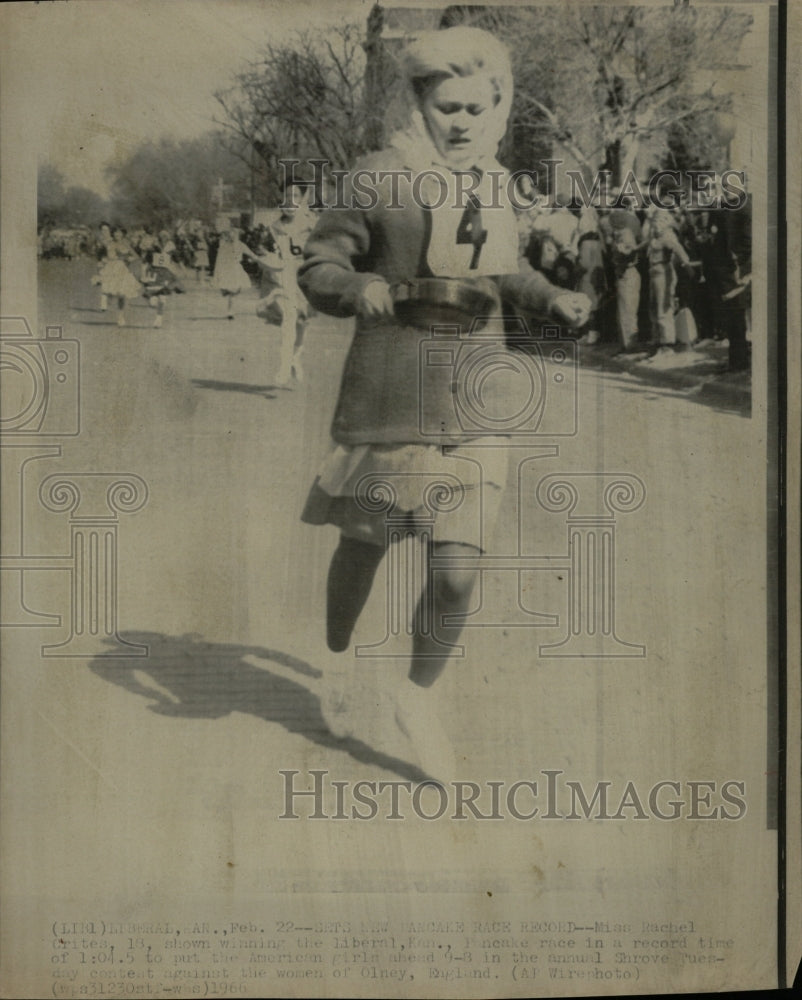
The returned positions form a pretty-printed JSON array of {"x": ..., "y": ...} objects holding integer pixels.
[
  {"x": 454, "y": 52},
  {"x": 438, "y": 55}
]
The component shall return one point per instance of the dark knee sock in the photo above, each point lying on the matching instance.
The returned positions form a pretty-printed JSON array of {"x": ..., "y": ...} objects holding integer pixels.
[{"x": 353, "y": 567}]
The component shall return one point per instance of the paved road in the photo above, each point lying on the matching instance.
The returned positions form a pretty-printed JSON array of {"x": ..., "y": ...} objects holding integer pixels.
[{"x": 171, "y": 760}]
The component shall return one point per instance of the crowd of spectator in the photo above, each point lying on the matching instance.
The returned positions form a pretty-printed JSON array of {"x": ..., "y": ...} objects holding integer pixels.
[{"x": 661, "y": 280}]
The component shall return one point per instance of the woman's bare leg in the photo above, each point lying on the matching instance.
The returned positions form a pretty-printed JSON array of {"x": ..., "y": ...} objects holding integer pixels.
[{"x": 447, "y": 592}]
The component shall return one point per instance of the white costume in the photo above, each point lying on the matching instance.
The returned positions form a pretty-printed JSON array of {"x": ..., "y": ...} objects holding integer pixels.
[{"x": 286, "y": 299}]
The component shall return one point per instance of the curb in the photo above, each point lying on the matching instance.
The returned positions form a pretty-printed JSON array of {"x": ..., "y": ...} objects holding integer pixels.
[{"x": 731, "y": 390}]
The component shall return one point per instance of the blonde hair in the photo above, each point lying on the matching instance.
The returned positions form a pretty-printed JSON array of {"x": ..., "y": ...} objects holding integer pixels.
[
  {"x": 460, "y": 51},
  {"x": 456, "y": 52}
]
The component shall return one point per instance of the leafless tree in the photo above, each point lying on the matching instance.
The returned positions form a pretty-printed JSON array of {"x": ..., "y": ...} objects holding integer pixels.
[
  {"x": 163, "y": 181},
  {"x": 600, "y": 82},
  {"x": 60, "y": 205},
  {"x": 303, "y": 99}
]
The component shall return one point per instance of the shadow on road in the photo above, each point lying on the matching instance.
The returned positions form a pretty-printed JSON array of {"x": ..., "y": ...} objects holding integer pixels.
[
  {"x": 215, "y": 319},
  {"x": 188, "y": 678},
  {"x": 707, "y": 396},
  {"x": 698, "y": 376},
  {"x": 259, "y": 390},
  {"x": 113, "y": 323}
]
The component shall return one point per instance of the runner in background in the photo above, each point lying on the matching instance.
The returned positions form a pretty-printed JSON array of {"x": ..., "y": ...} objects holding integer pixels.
[
  {"x": 283, "y": 301},
  {"x": 230, "y": 277},
  {"x": 116, "y": 280}
]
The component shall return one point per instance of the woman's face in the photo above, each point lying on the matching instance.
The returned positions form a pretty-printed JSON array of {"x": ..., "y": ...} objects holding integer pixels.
[{"x": 457, "y": 112}]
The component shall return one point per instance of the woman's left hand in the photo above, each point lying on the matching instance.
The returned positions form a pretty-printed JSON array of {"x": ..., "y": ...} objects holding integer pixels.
[{"x": 572, "y": 308}]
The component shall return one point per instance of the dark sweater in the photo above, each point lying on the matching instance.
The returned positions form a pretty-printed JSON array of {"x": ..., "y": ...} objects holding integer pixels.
[{"x": 379, "y": 398}]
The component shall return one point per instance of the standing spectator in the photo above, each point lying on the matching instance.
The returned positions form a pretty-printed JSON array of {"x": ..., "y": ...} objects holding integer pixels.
[
  {"x": 147, "y": 243},
  {"x": 624, "y": 234},
  {"x": 590, "y": 279},
  {"x": 662, "y": 249},
  {"x": 729, "y": 266},
  {"x": 691, "y": 290},
  {"x": 102, "y": 253},
  {"x": 554, "y": 235},
  {"x": 200, "y": 255},
  {"x": 561, "y": 224},
  {"x": 213, "y": 242},
  {"x": 543, "y": 253},
  {"x": 724, "y": 240}
]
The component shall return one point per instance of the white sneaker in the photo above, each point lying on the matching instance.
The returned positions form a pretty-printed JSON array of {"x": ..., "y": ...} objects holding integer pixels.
[
  {"x": 157, "y": 322},
  {"x": 336, "y": 701},
  {"x": 416, "y": 717},
  {"x": 335, "y": 711}
]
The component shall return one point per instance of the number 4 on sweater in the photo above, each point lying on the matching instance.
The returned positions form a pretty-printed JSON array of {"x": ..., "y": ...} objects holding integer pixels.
[{"x": 470, "y": 230}]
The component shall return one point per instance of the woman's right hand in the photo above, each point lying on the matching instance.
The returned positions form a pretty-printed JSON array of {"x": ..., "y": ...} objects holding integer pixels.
[{"x": 376, "y": 299}]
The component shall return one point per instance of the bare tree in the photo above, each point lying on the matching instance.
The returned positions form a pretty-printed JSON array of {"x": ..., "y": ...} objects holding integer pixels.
[
  {"x": 163, "y": 181},
  {"x": 304, "y": 99},
  {"x": 66, "y": 206},
  {"x": 602, "y": 82}
]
